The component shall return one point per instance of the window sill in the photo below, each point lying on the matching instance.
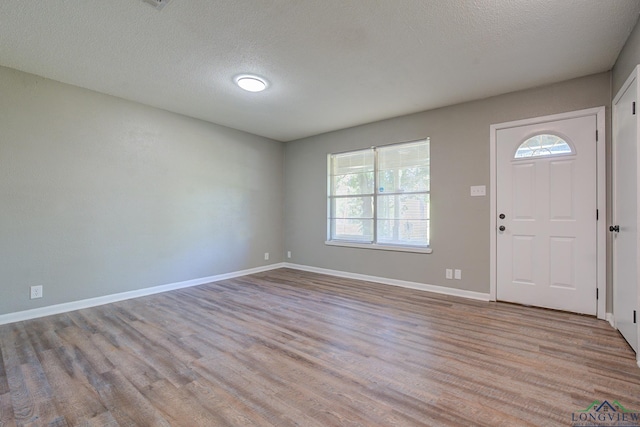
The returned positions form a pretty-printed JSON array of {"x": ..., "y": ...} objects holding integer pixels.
[{"x": 413, "y": 249}]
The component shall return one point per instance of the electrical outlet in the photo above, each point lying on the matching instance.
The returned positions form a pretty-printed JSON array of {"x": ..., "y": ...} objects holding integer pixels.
[
  {"x": 449, "y": 273},
  {"x": 458, "y": 274},
  {"x": 36, "y": 292},
  {"x": 288, "y": 254},
  {"x": 266, "y": 256}
]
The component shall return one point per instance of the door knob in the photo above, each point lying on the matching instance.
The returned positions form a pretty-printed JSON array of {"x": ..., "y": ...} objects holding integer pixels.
[
  {"x": 614, "y": 228},
  {"x": 502, "y": 228}
]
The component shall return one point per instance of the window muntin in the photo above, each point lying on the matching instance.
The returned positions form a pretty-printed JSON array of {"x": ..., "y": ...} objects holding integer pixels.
[
  {"x": 543, "y": 145},
  {"x": 397, "y": 212}
]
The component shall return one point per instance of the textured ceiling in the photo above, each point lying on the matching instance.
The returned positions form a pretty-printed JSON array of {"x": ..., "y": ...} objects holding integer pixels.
[{"x": 331, "y": 64}]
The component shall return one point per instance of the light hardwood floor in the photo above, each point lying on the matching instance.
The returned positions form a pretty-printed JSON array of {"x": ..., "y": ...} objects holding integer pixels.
[{"x": 290, "y": 348}]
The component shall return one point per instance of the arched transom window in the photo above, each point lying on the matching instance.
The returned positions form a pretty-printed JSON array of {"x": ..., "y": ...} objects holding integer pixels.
[{"x": 543, "y": 145}]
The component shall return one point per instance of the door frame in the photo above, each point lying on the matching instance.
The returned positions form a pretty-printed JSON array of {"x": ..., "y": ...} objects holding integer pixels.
[{"x": 601, "y": 200}]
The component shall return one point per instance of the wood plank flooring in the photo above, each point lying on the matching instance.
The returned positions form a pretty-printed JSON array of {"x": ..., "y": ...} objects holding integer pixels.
[{"x": 291, "y": 348}]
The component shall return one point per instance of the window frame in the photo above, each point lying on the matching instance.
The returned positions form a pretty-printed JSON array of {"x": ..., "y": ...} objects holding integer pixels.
[
  {"x": 534, "y": 156},
  {"x": 374, "y": 244}
]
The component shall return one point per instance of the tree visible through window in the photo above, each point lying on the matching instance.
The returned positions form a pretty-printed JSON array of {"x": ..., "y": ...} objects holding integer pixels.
[{"x": 380, "y": 195}]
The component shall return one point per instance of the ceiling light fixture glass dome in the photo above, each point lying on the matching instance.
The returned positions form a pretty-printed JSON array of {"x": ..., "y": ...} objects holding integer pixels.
[{"x": 251, "y": 83}]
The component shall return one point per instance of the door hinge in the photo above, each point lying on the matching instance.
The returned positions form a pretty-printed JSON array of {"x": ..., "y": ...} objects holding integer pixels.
[
  {"x": 597, "y": 214},
  {"x": 596, "y": 135},
  {"x": 633, "y": 108},
  {"x": 634, "y": 317},
  {"x": 597, "y": 293}
]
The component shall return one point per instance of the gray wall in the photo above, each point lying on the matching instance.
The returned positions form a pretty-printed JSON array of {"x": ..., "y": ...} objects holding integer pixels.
[
  {"x": 101, "y": 195},
  {"x": 627, "y": 60},
  {"x": 459, "y": 158}
]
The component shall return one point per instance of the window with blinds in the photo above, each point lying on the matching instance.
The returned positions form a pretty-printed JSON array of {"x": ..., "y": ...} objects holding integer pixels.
[{"x": 380, "y": 196}]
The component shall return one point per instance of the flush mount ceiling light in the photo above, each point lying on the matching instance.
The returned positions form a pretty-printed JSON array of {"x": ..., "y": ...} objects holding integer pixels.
[
  {"x": 251, "y": 83},
  {"x": 158, "y": 4}
]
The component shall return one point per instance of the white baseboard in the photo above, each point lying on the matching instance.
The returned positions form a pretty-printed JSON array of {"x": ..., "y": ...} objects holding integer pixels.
[
  {"x": 92, "y": 302},
  {"x": 611, "y": 320},
  {"x": 402, "y": 283}
]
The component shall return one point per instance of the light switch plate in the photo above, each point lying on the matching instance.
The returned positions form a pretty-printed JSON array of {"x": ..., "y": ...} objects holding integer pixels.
[{"x": 478, "y": 190}]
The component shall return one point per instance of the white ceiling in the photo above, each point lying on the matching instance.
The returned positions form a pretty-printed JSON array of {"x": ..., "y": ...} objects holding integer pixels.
[{"x": 331, "y": 64}]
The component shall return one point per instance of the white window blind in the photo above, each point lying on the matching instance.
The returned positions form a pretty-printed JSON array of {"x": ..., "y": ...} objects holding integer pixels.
[
  {"x": 352, "y": 188},
  {"x": 380, "y": 196}
]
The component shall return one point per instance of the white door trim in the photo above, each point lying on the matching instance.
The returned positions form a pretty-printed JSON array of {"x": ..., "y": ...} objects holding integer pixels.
[{"x": 601, "y": 235}]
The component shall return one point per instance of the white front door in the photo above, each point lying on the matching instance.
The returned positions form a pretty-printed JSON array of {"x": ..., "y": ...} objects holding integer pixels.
[
  {"x": 625, "y": 220},
  {"x": 546, "y": 242}
]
